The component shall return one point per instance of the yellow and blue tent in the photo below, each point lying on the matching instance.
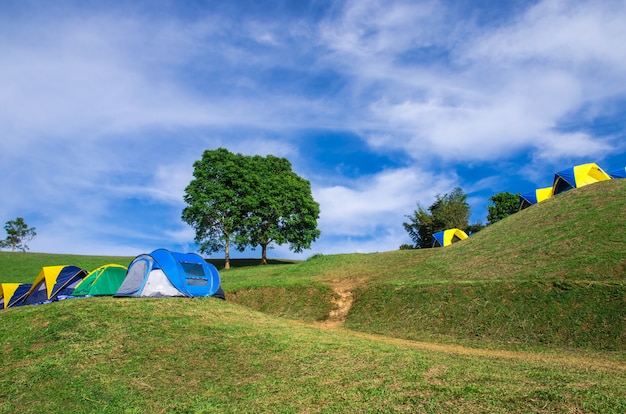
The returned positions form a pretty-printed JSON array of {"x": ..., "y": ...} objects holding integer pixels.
[
  {"x": 53, "y": 283},
  {"x": 447, "y": 237},
  {"x": 10, "y": 293},
  {"x": 540, "y": 194},
  {"x": 103, "y": 281},
  {"x": 619, "y": 173},
  {"x": 578, "y": 176}
]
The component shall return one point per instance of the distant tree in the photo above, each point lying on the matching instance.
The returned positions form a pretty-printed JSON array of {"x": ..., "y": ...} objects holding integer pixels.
[
  {"x": 215, "y": 201},
  {"x": 448, "y": 211},
  {"x": 18, "y": 235},
  {"x": 281, "y": 209},
  {"x": 237, "y": 200},
  {"x": 504, "y": 204}
]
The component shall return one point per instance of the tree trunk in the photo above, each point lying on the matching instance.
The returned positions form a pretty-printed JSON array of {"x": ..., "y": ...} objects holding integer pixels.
[
  {"x": 227, "y": 256},
  {"x": 264, "y": 254}
]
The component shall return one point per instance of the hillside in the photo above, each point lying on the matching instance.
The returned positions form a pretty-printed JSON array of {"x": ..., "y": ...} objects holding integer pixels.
[
  {"x": 205, "y": 355},
  {"x": 553, "y": 274},
  {"x": 501, "y": 322}
]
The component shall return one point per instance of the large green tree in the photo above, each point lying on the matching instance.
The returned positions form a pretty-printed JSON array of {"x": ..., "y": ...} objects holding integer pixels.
[
  {"x": 215, "y": 199},
  {"x": 504, "y": 204},
  {"x": 282, "y": 209},
  {"x": 237, "y": 200},
  {"x": 18, "y": 235},
  {"x": 448, "y": 211}
]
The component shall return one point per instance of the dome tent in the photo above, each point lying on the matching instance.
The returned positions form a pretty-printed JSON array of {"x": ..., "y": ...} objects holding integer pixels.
[
  {"x": 619, "y": 173},
  {"x": 578, "y": 176},
  {"x": 163, "y": 273},
  {"x": 10, "y": 293},
  {"x": 447, "y": 237},
  {"x": 53, "y": 283},
  {"x": 534, "y": 197},
  {"x": 105, "y": 280}
]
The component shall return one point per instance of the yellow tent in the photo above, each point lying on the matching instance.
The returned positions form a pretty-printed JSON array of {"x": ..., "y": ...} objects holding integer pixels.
[
  {"x": 578, "y": 176},
  {"x": 537, "y": 196},
  {"x": 447, "y": 237},
  {"x": 11, "y": 292}
]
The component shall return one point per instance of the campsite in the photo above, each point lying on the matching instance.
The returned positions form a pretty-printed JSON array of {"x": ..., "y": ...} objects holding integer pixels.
[{"x": 527, "y": 315}]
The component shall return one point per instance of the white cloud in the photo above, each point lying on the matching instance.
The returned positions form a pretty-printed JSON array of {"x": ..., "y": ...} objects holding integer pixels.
[
  {"x": 378, "y": 202},
  {"x": 112, "y": 108},
  {"x": 507, "y": 90}
]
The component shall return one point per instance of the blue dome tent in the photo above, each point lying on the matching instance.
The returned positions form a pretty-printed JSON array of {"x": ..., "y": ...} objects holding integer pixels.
[{"x": 163, "y": 273}]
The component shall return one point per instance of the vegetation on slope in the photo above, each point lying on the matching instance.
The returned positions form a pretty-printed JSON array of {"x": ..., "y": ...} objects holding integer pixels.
[
  {"x": 205, "y": 355},
  {"x": 549, "y": 280},
  {"x": 552, "y": 274}
]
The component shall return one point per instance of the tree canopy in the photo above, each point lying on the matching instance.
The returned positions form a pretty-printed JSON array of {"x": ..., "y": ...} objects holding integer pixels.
[
  {"x": 18, "y": 235},
  {"x": 504, "y": 204},
  {"x": 237, "y": 200},
  {"x": 447, "y": 212}
]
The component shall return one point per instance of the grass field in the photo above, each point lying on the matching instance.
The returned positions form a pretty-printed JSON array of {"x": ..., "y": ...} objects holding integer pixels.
[{"x": 526, "y": 316}]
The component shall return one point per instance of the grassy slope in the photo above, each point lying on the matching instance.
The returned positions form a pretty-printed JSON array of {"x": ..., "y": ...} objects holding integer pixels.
[
  {"x": 551, "y": 275},
  {"x": 206, "y": 355}
]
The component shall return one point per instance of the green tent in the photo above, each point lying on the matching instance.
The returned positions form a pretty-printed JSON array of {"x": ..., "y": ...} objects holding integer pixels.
[{"x": 103, "y": 281}]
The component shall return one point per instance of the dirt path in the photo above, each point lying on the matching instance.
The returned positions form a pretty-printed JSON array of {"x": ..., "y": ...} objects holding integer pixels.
[{"x": 344, "y": 288}]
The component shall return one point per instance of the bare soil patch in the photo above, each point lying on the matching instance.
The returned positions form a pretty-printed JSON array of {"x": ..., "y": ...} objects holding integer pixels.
[{"x": 344, "y": 288}]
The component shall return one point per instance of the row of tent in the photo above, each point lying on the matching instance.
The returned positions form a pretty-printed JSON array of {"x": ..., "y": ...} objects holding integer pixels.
[
  {"x": 161, "y": 273},
  {"x": 565, "y": 180}
]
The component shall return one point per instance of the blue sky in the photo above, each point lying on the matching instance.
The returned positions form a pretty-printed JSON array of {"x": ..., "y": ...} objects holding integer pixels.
[{"x": 380, "y": 104}]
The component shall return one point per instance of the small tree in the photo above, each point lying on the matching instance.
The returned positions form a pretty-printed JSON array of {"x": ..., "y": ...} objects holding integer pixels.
[
  {"x": 504, "y": 204},
  {"x": 18, "y": 235}
]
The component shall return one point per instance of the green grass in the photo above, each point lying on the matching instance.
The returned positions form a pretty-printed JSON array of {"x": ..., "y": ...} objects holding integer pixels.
[
  {"x": 526, "y": 316},
  {"x": 205, "y": 355}
]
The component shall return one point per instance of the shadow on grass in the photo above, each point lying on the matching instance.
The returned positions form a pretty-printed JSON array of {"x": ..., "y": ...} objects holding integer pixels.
[{"x": 219, "y": 263}]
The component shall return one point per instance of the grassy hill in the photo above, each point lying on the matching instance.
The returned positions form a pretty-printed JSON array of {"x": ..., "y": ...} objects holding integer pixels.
[
  {"x": 553, "y": 274},
  {"x": 526, "y": 316}
]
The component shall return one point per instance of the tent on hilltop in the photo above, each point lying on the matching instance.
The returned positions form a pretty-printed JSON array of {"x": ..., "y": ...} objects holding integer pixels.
[
  {"x": 53, "y": 283},
  {"x": 540, "y": 194},
  {"x": 619, "y": 173},
  {"x": 105, "y": 280},
  {"x": 10, "y": 293},
  {"x": 447, "y": 237},
  {"x": 164, "y": 273},
  {"x": 578, "y": 176}
]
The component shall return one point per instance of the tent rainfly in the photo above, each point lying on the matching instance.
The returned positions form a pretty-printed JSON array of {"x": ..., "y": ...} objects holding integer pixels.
[
  {"x": 447, "y": 237},
  {"x": 619, "y": 173},
  {"x": 103, "y": 281},
  {"x": 528, "y": 199},
  {"x": 164, "y": 273},
  {"x": 10, "y": 293},
  {"x": 578, "y": 176},
  {"x": 53, "y": 283}
]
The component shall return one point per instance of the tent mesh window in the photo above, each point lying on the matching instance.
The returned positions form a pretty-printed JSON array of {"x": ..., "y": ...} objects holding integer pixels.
[{"x": 193, "y": 269}]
